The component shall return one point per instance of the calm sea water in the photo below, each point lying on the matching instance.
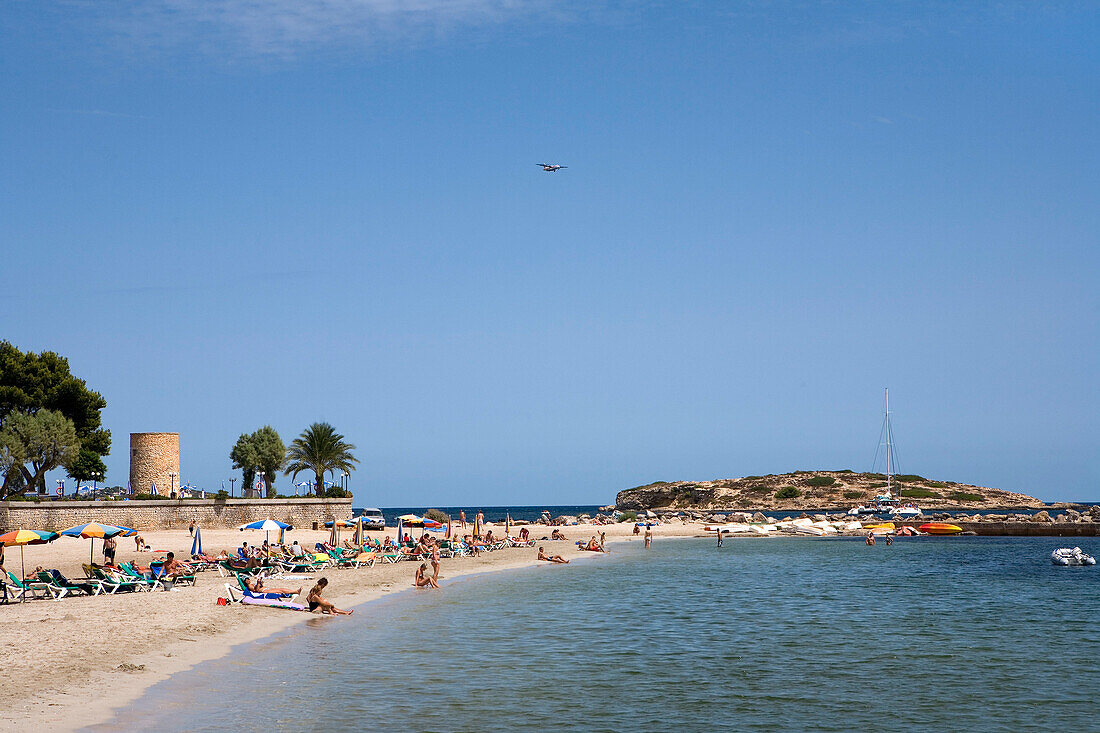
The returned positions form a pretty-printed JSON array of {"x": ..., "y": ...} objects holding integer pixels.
[{"x": 961, "y": 633}]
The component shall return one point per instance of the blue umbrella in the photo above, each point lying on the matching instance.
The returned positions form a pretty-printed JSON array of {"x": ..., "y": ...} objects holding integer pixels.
[
  {"x": 196, "y": 544},
  {"x": 267, "y": 525},
  {"x": 399, "y": 531}
]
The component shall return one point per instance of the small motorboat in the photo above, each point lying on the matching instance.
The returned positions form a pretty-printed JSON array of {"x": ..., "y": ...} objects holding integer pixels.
[
  {"x": 940, "y": 528},
  {"x": 909, "y": 511},
  {"x": 1071, "y": 556}
]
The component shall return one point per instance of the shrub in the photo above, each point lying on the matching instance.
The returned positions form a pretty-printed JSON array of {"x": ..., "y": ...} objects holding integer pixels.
[
  {"x": 788, "y": 492},
  {"x": 335, "y": 492},
  {"x": 627, "y": 517},
  {"x": 821, "y": 481},
  {"x": 909, "y": 477},
  {"x": 965, "y": 496},
  {"x": 845, "y": 470},
  {"x": 222, "y": 494},
  {"x": 437, "y": 516},
  {"x": 759, "y": 488},
  {"x": 750, "y": 478},
  {"x": 918, "y": 493},
  {"x": 853, "y": 494},
  {"x": 936, "y": 485}
]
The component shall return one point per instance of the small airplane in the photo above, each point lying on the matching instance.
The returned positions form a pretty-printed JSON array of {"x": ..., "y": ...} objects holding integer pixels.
[{"x": 551, "y": 167}]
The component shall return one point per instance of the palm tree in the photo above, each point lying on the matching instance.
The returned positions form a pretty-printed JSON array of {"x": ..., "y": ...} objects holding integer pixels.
[{"x": 319, "y": 449}]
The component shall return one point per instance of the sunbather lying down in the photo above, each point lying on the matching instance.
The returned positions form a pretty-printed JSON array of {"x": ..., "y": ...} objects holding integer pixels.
[
  {"x": 551, "y": 558},
  {"x": 256, "y": 585}
]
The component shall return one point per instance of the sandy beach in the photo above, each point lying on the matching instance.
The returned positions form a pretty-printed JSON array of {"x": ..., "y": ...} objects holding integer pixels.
[{"x": 69, "y": 663}]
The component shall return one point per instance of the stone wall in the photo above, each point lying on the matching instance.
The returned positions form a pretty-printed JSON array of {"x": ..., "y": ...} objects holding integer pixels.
[
  {"x": 155, "y": 459},
  {"x": 156, "y": 514}
]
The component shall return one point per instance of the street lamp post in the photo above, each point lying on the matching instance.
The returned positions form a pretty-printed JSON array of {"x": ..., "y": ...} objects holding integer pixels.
[
  {"x": 95, "y": 485},
  {"x": 61, "y": 487},
  {"x": 172, "y": 485},
  {"x": 232, "y": 485}
]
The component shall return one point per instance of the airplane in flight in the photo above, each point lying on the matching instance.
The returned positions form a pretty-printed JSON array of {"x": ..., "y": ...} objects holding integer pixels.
[{"x": 551, "y": 167}]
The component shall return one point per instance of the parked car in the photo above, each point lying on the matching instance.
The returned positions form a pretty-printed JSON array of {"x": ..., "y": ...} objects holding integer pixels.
[{"x": 373, "y": 519}]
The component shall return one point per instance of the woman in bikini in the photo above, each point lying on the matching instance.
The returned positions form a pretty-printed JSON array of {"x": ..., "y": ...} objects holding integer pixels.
[
  {"x": 423, "y": 580},
  {"x": 552, "y": 558},
  {"x": 316, "y": 600}
]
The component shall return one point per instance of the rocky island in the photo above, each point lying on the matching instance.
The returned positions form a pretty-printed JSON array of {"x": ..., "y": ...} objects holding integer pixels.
[{"x": 815, "y": 490}]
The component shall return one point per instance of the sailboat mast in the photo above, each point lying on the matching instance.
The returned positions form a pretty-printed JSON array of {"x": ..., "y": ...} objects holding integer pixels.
[{"x": 889, "y": 449}]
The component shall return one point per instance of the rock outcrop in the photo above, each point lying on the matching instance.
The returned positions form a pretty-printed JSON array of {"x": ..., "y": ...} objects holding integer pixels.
[{"x": 814, "y": 490}]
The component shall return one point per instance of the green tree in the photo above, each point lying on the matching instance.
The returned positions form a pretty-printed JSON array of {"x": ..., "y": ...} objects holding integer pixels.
[
  {"x": 33, "y": 382},
  {"x": 36, "y": 444},
  {"x": 319, "y": 449},
  {"x": 270, "y": 452},
  {"x": 85, "y": 466},
  {"x": 264, "y": 453},
  {"x": 244, "y": 457}
]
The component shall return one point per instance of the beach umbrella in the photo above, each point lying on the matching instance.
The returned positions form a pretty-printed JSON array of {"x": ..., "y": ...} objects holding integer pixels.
[
  {"x": 91, "y": 531},
  {"x": 26, "y": 537},
  {"x": 126, "y": 531},
  {"x": 358, "y": 538},
  {"x": 477, "y": 525},
  {"x": 448, "y": 535},
  {"x": 267, "y": 526},
  {"x": 334, "y": 536},
  {"x": 399, "y": 531},
  {"x": 196, "y": 544},
  {"x": 507, "y": 524}
]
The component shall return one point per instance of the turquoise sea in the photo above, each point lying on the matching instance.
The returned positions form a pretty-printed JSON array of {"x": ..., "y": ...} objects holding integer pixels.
[{"x": 959, "y": 633}]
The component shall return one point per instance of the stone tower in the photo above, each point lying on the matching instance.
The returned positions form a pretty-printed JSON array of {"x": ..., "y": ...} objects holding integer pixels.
[{"x": 155, "y": 459}]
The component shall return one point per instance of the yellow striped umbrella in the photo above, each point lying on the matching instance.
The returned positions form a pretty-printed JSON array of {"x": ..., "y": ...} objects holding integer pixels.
[
  {"x": 26, "y": 537},
  {"x": 92, "y": 530}
]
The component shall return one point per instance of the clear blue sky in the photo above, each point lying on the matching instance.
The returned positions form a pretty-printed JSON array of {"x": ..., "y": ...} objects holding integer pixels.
[{"x": 226, "y": 216}]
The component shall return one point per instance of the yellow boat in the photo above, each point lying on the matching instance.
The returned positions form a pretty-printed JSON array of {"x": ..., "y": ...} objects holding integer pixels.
[
  {"x": 881, "y": 525},
  {"x": 940, "y": 528}
]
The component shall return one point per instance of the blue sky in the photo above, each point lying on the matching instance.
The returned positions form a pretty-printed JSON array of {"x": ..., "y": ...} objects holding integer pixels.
[{"x": 231, "y": 214}]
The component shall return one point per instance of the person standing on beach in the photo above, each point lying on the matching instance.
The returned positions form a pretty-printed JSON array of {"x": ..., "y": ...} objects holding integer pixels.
[
  {"x": 109, "y": 546},
  {"x": 462, "y": 518},
  {"x": 603, "y": 538},
  {"x": 719, "y": 536},
  {"x": 648, "y": 535},
  {"x": 435, "y": 561},
  {"x": 191, "y": 528}
]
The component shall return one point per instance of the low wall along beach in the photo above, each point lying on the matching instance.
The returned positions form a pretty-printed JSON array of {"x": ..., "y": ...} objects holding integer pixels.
[{"x": 155, "y": 514}]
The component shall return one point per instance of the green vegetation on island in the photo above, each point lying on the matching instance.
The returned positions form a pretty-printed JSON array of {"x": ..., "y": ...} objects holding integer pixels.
[{"x": 804, "y": 490}]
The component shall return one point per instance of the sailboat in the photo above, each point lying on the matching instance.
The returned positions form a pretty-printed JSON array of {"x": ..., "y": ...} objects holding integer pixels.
[{"x": 885, "y": 503}]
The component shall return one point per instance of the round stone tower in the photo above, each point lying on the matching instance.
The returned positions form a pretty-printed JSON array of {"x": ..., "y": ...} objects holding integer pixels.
[{"x": 155, "y": 460}]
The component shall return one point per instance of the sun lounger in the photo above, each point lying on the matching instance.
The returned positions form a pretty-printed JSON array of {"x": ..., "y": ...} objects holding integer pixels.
[
  {"x": 37, "y": 589},
  {"x": 112, "y": 582},
  {"x": 133, "y": 574},
  {"x": 87, "y": 586}
]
